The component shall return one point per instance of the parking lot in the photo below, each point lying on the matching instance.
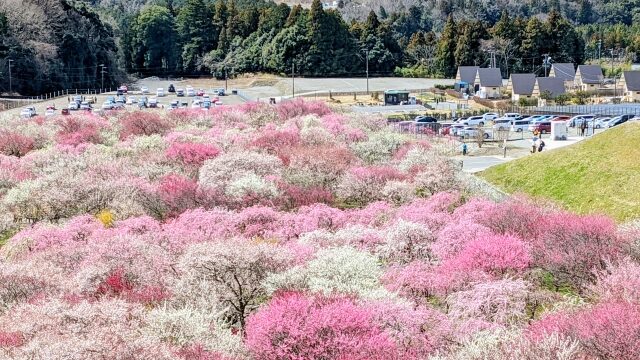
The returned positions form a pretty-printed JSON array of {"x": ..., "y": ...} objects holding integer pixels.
[{"x": 163, "y": 102}]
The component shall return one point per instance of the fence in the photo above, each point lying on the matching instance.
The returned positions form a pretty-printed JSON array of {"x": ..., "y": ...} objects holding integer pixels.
[
  {"x": 14, "y": 102},
  {"x": 595, "y": 109}
]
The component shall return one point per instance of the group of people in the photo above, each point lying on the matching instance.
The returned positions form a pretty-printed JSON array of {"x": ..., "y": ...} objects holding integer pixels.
[{"x": 537, "y": 144}]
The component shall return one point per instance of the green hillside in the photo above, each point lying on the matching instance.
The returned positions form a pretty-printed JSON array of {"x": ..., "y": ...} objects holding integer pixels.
[{"x": 598, "y": 175}]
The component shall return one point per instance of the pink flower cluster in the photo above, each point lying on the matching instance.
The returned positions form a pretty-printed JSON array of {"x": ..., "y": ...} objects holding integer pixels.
[{"x": 289, "y": 232}]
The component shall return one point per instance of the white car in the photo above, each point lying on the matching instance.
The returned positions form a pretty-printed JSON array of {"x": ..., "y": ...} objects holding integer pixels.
[
  {"x": 601, "y": 122},
  {"x": 108, "y": 105},
  {"x": 195, "y": 104},
  {"x": 179, "y": 92},
  {"x": 502, "y": 124},
  {"x": 160, "y": 92},
  {"x": 475, "y": 121},
  {"x": 472, "y": 132},
  {"x": 511, "y": 115},
  {"x": 131, "y": 100},
  {"x": 49, "y": 112},
  {"x": 27, "y": 112},
  {"x": 73, "y": 106},
  {"x": 85, "y": 106},
  {"x": 153, "y": 103},
  {"x": 144, "y": 90},
  {"x": 191, "y": 92},
  {"x": 490, "y": 116}
]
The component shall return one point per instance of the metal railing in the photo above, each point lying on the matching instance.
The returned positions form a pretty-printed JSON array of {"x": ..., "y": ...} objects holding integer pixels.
[{"x": 14, "y": 102}]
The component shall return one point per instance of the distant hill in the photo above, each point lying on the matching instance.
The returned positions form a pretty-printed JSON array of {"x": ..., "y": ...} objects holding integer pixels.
[{"x": 598, "y": 175}]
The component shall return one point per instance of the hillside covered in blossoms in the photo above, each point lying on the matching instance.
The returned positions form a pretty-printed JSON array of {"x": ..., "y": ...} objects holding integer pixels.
[{"x": 290, "y": 232}]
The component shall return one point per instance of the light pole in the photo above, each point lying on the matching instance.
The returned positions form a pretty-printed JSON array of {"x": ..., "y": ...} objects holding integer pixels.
[
  {"x": 226, "y": 77},
  {"x": 293, "y": 79},
  {"x": 102, "y": 72},
  {"x": 546, "y": 63},
  {"x": 10, "y": 85},
  {"x": 367, "y": 55}
]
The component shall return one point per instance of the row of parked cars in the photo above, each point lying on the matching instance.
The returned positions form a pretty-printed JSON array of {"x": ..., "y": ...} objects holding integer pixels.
[{"x": 180, "y": 92}]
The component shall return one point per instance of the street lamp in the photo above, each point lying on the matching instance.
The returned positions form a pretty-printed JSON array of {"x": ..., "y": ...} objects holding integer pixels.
[
  {"x": 10, "y": 85},
  {"x": 546, "y": 63}
]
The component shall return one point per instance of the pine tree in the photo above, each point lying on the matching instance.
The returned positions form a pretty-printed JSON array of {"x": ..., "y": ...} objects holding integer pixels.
[
  {"x": 585, "y": 12},
  {"x": 383, "y": 13},
  {"x": 534, "y": 43},
  {"x": 445, "y": 56}
]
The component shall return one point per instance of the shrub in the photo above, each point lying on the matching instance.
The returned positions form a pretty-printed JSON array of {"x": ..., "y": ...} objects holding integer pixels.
[{"x": 75, "y": 131}]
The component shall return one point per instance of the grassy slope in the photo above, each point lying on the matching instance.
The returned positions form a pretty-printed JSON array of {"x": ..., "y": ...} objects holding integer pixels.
[{"x": 598, "y": 175}]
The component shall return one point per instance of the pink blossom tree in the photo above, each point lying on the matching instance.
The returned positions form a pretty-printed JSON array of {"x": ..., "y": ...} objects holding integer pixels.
[
  {"x": 15, "y": 144},
  {"x": 294, "y": 326}
]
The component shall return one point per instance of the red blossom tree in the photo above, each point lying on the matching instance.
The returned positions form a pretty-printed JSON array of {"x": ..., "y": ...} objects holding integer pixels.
[{"x": 15, "y": 144}]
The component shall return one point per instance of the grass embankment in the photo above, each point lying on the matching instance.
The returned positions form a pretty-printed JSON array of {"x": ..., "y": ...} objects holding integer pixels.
[{"x": 598, "y": 175}]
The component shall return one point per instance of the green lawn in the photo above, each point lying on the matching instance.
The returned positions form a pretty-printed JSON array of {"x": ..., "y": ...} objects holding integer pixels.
[{"x": 598, "y": 175}]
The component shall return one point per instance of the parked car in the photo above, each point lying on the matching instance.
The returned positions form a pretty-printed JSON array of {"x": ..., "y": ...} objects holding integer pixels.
[
  {"x": 124, "y": 89},
  {"x": 64, "y": 111},
  {"x": 118, "y": 105},
  {"x": 474, "y": 120},
  {"x": 78, "y": 99},
  {"x": 73, "y": 106},
  {"x": 561, "y": 118},
  {"x": 171, "y": 88},
  {"x": 422, "y": 119},
  {"x": 190, "y": 91},
  {"x": 453, "y": 130},
  {"x": 85, "y": 105},
  {"x": 131, "y": 100},
  {"x": 200, "y": 92},
  {"x": 502, "y": 124},
  {"x": 119, "y": 92},
  {"x": 195, "y": 103},
  {"x": 543, "y": 127},
  {"x": 520, "y": 125},
  {"x": 600, "y": 123},
  {"x": 153, "y": 103},
  {"x": 490, "y": 116},
  {"x": 111, "y": 98},
  {"x": 180, "y": 92},
  {"x": 618, "y": 120},
  {"x": 174, "y": 104},
  {"x": 579, "y": 119},
  {"x": 221, "y": 92},
  {"x": 49, "y": 112},
  {"x": 160, "y": 92},
  {"x": 511, "y": 115},
  {"x": 472, "y": 132},
  {"x": 144, "y": 90},
  {"x": 108, "y": 105},
  {"x": 27, "y": 112}
]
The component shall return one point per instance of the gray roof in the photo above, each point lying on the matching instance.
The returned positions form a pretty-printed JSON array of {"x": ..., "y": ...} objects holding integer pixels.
[
  {"x": 632, "y": 80},
  {"x": 490, "y": 77},
  {"x": 590, "y": 74},
  {"x": 553, "y": 85},
  {"x": 522, "y": 84},
  {"x": 468, "y": 73},
  {"x": 564, "y": 71}
]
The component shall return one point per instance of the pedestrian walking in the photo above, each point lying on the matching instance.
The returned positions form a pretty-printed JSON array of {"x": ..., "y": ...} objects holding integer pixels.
[
  {"x": 534, "y": 144},
  {"x": 465, "y": 149},
  {"x": 583, "y": 127}
]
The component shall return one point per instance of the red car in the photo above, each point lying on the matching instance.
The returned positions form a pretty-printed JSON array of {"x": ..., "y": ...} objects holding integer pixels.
[
  {"x": 124, "y": 89},
  {"x": 543, "y": 127},
  {"x": 200, "y": 92},
  {"x": 65, "y": 111}
]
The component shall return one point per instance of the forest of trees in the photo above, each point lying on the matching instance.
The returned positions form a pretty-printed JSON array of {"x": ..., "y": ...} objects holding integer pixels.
[{"x": 55, "y": 44}]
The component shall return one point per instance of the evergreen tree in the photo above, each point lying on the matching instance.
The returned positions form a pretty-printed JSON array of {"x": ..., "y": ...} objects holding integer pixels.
[
  {"x": 534, "y": 43},
  {"x": 154, "y": 42},
  {"x": 585, "y": 12},
  {"x": 467, "y": 50},
  {"x": 195, "y": 30},
  {"x": 383, "y": 13},
  {"x": 445, "y": 56}
]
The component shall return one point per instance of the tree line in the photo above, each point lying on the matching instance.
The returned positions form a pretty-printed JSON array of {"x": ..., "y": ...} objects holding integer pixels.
[{"x": 58, "y": 44}]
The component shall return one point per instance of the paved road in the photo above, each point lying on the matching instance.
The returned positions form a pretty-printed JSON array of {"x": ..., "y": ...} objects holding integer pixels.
[{"x": 284, "y": 86}]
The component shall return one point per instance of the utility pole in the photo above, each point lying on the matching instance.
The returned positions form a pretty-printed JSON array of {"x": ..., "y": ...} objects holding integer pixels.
[
  {"x": 226, "y": 78},
  {"x": 367, "y": 54},
  {"x": 599, "y": 49},
  {"x": 293, "y": 79},
  {"x": 102, "y": 72},
  {"x": 10, "y": 85}
]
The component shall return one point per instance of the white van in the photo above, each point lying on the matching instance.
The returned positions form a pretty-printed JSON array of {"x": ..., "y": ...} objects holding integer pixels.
[
  {"x": 160, "y": 92},
  {"x": 520, "y": 125},
  {"x": 475, "y": 121}
]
